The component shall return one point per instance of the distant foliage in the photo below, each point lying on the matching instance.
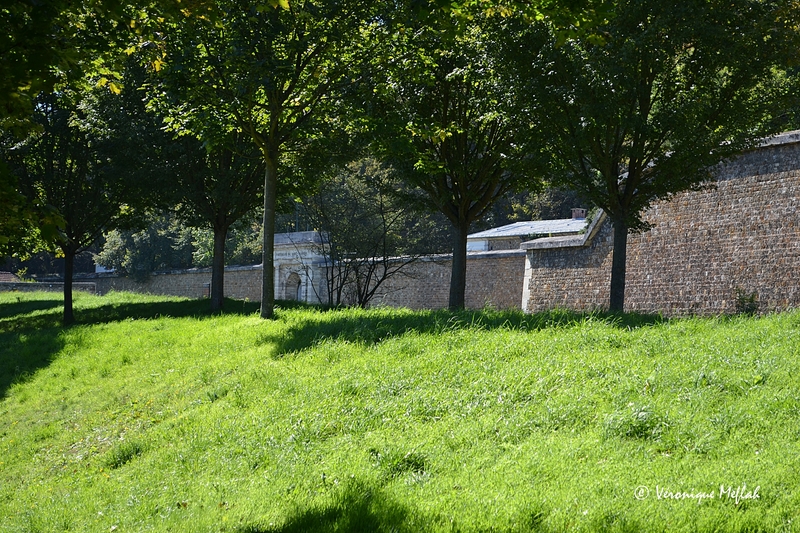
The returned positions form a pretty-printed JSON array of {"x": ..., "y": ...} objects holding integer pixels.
[
  {"x": 242, "y": 246},
  {"x": 167, "y": 243},
  {"x": 163, "y": 244}
]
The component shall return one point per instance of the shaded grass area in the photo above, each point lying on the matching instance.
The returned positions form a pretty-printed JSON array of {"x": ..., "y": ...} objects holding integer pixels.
[
  {"x": 378, "y": 325},
  {"x": 356, "y": 507},
  {"x": 44, "y": 310},
  {"x": 391, "y": 420},
  {"x": 31, "y": 330}
]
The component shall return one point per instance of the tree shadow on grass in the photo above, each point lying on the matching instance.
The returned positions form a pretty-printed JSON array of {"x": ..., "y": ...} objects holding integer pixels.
[
  {"x": 357, "y": 507},
  {"x": 24, "y": 307},
  {"x": 373, "y": 326},
  {"x": 24, "y": 316},
  {"x": 22, "y": 354},
  {"x": 149, "y": 310}
]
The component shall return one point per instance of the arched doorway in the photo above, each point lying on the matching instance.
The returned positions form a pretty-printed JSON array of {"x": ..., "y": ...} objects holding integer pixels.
[{"x": 293, "y": 286}]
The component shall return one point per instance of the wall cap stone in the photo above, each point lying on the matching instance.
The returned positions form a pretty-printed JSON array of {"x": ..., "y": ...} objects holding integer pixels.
[
  {"x": 494, "y": 254},
  {"x": 789, "y": 137}
]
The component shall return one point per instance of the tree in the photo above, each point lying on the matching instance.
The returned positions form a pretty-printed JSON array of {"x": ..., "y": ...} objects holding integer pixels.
[
  {"x": 64, "y": 164},
  {"x": 370, "y": 234},
  {"x": 25, "y": 227},
  {"x": 644, "y": 112},
  {"x": 215, "y": 188},
  {"x": 442, "y": 120},
  {"x": 211, "y": 186},
  {"x": 37, "y": 45},
  {"x": 267, "y": 72}
]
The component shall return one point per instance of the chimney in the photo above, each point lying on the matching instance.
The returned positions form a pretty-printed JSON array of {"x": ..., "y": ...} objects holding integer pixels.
[{"x": 578, "y": 212}]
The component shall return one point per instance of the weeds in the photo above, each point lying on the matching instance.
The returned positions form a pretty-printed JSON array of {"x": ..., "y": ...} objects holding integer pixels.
[
  {"x": 746, "y": 303},
  {"x": 123, "y": 453}
]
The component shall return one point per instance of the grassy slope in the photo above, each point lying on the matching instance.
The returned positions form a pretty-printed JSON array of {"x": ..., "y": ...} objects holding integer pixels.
[{"x": 391, "y": 420}]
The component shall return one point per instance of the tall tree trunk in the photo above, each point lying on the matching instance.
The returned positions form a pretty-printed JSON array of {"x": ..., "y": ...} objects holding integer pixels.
[
  {"x": 69, "y": 267},
  {"x": 268, "y": 275},
  {"x": 458, "y": 276},
  {"x": 620, "y": 253},
  {"x": 218, "y": 269}
]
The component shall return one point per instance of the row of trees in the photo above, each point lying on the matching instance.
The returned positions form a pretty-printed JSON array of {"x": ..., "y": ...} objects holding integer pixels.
[{"x": 625, "y": 103}]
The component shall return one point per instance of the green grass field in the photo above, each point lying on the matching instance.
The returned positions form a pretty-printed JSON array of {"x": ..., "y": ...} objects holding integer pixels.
[{"x": 153, "y": 415}]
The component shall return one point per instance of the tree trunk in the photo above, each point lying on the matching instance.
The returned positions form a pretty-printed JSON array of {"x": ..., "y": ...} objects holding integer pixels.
[
  {"x": 617, "y": 294},
  {"x": 458, "y": 276},
  {"x": 69, "y": 267},
  {"x": 268, "y": 275},
  {"x": 218, "y": 269}
]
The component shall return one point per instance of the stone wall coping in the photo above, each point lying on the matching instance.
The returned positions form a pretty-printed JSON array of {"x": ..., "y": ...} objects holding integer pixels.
[
  {"x": 299, "y": 238},
  {"x": 569, "y": 241},
  {"x": 112, "y": 274},
  {"x": 493, "y": 254},
  {"x": 788, "y": 137},
  {"x": 35, "y": 285}
]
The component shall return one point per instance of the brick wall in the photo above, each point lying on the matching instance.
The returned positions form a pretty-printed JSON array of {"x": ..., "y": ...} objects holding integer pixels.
[{"x": 742, "y": 233}]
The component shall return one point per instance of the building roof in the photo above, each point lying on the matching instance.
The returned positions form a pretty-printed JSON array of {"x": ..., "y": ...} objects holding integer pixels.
[{"x": 564, "y": 226}]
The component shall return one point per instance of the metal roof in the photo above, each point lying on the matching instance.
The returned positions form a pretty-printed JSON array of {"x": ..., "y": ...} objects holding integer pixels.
[{"x": 564, "y": 226}]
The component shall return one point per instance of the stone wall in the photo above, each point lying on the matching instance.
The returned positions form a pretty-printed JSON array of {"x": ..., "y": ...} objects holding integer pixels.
[
  {"x": 742, "y": 233},
  {"x": 240, "y": 283},
  {"x": 47, "y": 286},
  {"x": 569, "y": 272},
  {"x": 494, "y": 279}
]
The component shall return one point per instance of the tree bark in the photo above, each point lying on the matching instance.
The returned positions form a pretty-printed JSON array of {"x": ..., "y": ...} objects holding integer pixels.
[
  {"x": 458, "y": 276},
  {"x": 69, "y": 267},
  {"x": 218, "y": 269},
  {"x": 618, "y": 266},
  {"x": 268, "y": 275}
]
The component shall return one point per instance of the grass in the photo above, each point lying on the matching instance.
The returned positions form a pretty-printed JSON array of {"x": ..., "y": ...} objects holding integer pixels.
[{"x": 154, "y": 415}]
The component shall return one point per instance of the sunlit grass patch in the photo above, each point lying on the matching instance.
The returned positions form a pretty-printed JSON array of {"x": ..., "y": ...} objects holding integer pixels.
[{"x": 168, "y": 418}]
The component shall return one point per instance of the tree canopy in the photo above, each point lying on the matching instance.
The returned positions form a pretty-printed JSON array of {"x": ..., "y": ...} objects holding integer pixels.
[
  {"x": 214, "y": 188},
  {"x": 625, "y": 103}
]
